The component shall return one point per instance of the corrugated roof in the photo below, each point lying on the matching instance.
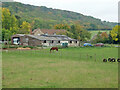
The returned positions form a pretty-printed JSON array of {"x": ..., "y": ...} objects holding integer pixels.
[
  {"x": 60, "y": 37},
  {"x": 48, "y": 37}
]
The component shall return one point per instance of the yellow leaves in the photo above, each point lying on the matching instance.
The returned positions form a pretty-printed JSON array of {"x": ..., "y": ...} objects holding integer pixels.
[
  {"x": 78, "y": 38},
  {"x": 114, "y": 32},
  {"x": 104, "y": 35},
  {"x": 62, "y": 26},
  {"x": 25, "y": 27},
  {"x": 116, "y": 39},
  {"x": 6, "y": 11},
  {"x": 49, "y": 12}
]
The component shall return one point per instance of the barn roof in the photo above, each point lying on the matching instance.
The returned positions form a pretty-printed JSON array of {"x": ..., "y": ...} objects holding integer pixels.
[
  {"x": 42, "y": 37},
  {"x": 18, "y": 35},
  {"x": 48, "y": 37},
  {"x": 60, "y": 37},
  {"x": 50, "y": 31}
]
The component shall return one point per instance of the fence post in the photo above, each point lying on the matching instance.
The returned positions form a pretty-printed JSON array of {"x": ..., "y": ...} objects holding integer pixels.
[
  {"x": 87, "y": 56},
  {"x": 61, "y": 54},
  {"x": 103, "y": 56},
  {"x": 80, "y": 55},
  {"x": 95, "y": 57}
]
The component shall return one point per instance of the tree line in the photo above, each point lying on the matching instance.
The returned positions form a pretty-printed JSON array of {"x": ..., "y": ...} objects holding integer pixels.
[{"x": 44, "y": 17}]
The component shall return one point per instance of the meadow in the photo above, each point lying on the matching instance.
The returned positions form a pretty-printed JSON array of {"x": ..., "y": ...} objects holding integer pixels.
[{"x": 80, "y": 67}]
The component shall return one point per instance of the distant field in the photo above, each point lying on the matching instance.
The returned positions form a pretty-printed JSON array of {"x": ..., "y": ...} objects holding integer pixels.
[
  {"x": 70, "y": 67},
  {"x": 95, "y": 32}
]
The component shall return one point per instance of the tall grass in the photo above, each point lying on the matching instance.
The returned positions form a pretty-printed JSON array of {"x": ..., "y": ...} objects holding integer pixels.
[{"x": 67, "y": 68}]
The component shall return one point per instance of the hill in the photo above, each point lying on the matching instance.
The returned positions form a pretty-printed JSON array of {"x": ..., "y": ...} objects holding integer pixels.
[{"x": 44, "y": 17}]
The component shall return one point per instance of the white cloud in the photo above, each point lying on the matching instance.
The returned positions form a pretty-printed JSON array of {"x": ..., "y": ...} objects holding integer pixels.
[{"x": 103, "y": 9}]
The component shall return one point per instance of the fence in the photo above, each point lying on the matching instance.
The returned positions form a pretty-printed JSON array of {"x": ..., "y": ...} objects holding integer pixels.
[{"x": 61, "y": 55}]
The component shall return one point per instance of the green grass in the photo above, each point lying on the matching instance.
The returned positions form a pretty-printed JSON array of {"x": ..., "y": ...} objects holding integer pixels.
[
  {"x": 68, "y": 68},
  {"x": 95, "y": 32}
]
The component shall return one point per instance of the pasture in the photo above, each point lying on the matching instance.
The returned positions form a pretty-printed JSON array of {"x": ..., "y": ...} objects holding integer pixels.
[{"x": 68, "y": 68}]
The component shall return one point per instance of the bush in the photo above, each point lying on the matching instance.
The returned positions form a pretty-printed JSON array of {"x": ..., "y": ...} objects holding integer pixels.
[
  {"x": 10, "y": 46},
  {"x": 28, "y": 47},
  {"x": 4, "y": 46},
  {"x": 13, "y": 46},
  {"x": 39, "y": 45}
]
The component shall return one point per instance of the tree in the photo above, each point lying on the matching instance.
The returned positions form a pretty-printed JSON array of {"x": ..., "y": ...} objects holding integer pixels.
[
  {"x": 104, "y": 37},
  {"x": 93, "y": 26},
  {"x": 101, "y": 37},
  {"x": 25, "y": 28},
  {"x": 78, "y": 31},
  {"x": 6, "y": 18},
  {"x": 114, "y": 33},
  {"x": 62, "y": 26},
  {"x": 9, "y": 23},
  {"x": 110, "y": 38}
]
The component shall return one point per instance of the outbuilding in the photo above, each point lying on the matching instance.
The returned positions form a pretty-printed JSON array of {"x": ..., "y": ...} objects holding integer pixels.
[{"x": 43, "y": 40}]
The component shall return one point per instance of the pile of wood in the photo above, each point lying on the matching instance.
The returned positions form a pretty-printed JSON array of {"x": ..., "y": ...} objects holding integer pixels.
[{"x": 20, "y": 48}]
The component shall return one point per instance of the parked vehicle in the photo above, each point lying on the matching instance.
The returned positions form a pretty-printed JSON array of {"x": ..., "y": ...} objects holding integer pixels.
[
  {"x": 99, "y": 44},
  {"x": 88, "y": 44}
]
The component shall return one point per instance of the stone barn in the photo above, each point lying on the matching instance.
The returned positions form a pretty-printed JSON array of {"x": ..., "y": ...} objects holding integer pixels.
[
  {"x": 43, "y": 40},
  {"x": 25, "y": 40}
]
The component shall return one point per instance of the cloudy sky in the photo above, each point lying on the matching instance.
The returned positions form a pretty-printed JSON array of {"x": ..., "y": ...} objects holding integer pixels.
[{"x": 102, "y": 9}]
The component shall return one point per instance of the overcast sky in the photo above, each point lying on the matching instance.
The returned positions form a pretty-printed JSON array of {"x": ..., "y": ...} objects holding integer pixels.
[{"x": 102, "y": 9}]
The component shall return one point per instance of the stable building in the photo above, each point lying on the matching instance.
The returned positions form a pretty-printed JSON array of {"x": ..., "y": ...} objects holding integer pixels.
[{"x": 43, "y": 40}]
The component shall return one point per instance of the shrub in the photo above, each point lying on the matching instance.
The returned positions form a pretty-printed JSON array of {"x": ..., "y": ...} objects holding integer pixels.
[
  {"x": 4, "y": 46},
  {"x": 28, "y": 47}
]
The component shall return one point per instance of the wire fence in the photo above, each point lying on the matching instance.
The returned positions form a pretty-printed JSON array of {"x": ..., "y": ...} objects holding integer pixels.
[{"x": 97, "y": 57}]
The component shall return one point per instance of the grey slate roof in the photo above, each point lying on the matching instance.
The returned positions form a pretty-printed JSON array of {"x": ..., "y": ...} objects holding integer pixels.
[
  {"x": 48, "y": 37},
  {"x": 19, "y": 35},
  {"x": 60, "y": 37},
  {"x": 42, "y": 37}
]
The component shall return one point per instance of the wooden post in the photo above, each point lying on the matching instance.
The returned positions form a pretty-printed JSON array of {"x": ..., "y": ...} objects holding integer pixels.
[
  {"x": 61, "y": 54},
  {"x": 80, "y": 56},
  {"x": 87, "y": 56},
  {"x": 95, "y": 57},
  {"x": 103, "y": 56}
]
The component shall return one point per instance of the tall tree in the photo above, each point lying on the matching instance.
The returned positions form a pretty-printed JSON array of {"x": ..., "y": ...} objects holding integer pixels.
[
  {"x": 9, "y": 23},
  {"x": 6, "y": 18},
  {"x": 115, "y": 34}
]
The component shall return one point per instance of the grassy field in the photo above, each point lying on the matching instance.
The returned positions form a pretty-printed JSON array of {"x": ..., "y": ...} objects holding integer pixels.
[
  {"x": 95, "y": 32},
  {"x": 67, "y": 68}
]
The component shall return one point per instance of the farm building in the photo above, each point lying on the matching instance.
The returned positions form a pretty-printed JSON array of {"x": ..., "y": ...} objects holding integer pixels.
[{"x": 43, "y": 40}]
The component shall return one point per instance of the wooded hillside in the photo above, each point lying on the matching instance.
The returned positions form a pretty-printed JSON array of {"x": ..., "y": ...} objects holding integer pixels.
[{"x": 47, "y": 18}]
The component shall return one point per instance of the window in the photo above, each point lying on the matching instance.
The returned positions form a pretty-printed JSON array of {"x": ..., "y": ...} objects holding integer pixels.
[
  {"x": 58, "y": 41},
  {"x": 75, "y": 41},
  {"x": 52, "y": 41},
  {"x": 46, "y": 33},
  {"x": 44, "y": 41},
  {"x": 27, "y": 39},
  {"x": 16, "y": 41},
  {"x": 54, "y": 33},
  {"x": 70, "y": 41}
]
